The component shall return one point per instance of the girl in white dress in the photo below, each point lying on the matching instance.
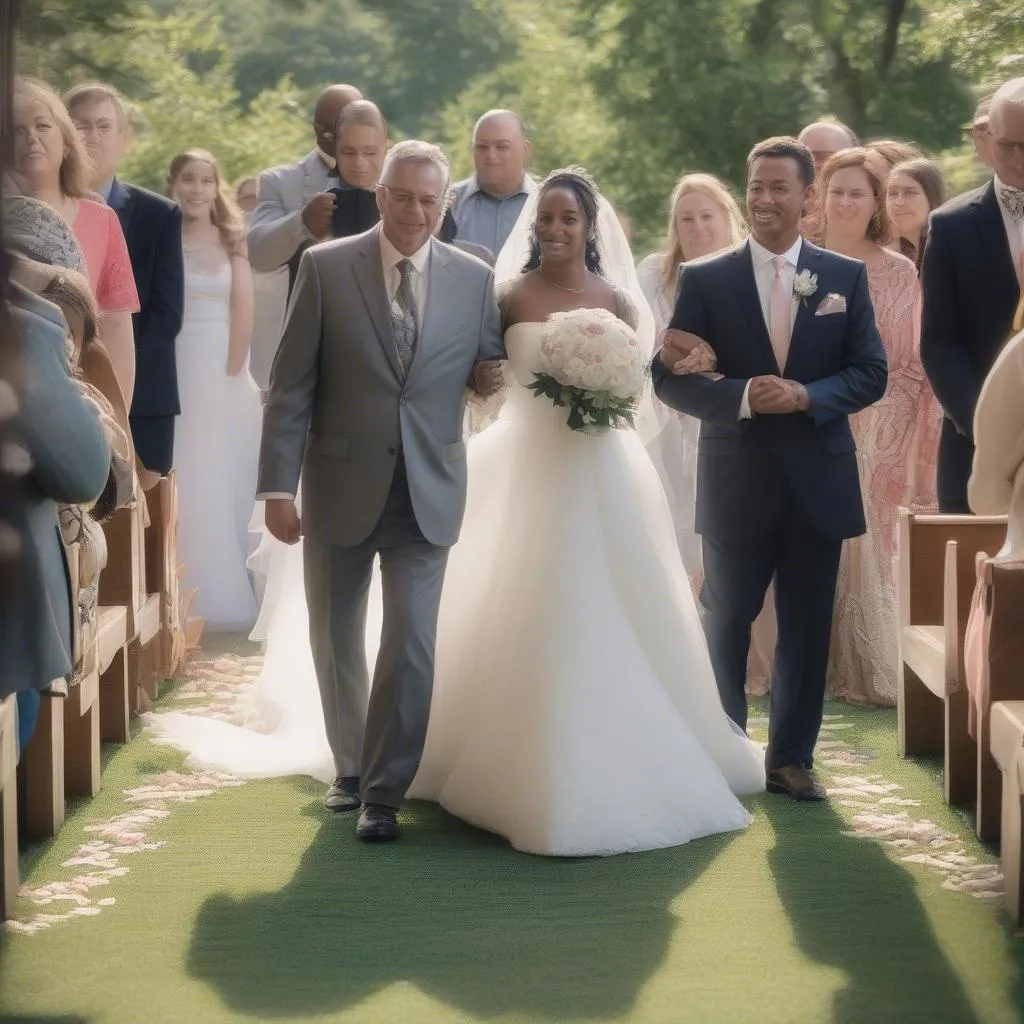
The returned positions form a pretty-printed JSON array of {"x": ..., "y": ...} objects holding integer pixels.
[
  {"x": 575, "y": 709},
  {"x": 216, "y": 438}
]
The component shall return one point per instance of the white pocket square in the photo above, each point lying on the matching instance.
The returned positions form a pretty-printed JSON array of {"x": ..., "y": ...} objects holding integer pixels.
[{"x": 832, "y": 303}]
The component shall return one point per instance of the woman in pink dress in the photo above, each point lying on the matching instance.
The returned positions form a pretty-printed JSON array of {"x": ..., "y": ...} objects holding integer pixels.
[
  {"x": 897, "y": 437},
  {"x": 50, "y": 164}
]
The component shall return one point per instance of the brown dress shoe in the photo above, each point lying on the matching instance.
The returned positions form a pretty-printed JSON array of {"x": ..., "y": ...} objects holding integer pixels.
[{"x": 796, "y": 782}]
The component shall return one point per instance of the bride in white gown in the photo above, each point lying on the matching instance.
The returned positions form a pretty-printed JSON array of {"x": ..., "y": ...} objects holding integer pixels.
[{"x": 575, "y": 710}]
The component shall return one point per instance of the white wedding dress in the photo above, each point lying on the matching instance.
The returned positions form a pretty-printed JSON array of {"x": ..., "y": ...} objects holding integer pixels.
[
  {"x": 575, "y": 709},
  {"x": 216, "y": 450}
]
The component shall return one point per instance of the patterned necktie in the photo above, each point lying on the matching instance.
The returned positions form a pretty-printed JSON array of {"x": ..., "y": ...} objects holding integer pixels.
[
  {"x": 404, "y": 317},
  {"x": 779, "y": 311},
  {"x": 1013, "y": 201}
]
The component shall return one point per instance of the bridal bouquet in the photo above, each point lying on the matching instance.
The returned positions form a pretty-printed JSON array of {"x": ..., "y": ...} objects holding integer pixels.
[{"x": 591, "y": 363}]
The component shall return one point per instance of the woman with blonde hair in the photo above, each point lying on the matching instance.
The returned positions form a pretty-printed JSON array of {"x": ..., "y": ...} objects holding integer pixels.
[
  {"x": 216, "y": 442},
  {"x": 897, "y": 437},
  {"x": 50, "y": 164},
  {"x": 703, "y": 219}
]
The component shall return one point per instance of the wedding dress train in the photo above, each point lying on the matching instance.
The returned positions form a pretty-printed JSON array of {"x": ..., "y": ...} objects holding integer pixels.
[{"x": 575, "y": 710}]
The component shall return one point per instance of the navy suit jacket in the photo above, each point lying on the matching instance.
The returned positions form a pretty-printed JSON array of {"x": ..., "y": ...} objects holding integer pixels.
[
  {"x": 751, "y": 471},
  {"x": 970, "y": 296},
  {"x": 152, "y": 229}
]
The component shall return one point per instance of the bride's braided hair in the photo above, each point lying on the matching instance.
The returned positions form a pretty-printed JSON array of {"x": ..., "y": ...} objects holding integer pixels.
[{"x": 583, "y": 187}]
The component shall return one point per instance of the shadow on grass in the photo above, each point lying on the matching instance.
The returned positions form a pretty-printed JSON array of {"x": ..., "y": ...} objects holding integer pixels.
[
  {"x": 454, "y": 912},
  {"x": 852, "y": 907}
]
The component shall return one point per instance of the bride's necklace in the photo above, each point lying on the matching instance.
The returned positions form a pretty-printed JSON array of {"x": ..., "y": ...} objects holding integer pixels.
[{"x": 560, "y": 287}]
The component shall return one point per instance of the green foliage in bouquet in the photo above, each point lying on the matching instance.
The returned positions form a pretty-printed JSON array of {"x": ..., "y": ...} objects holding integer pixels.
[{"x": 589, "y": 411}]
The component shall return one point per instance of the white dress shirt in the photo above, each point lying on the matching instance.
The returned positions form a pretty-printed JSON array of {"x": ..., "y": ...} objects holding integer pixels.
[
  {"x": 390, "y": 258},
  {"x": 1014, "y": 232},
  {"x": 764, "y": 277}
]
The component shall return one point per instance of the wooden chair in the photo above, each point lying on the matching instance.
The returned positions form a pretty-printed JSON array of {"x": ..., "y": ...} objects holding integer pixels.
[
  {"x": 935, "y": 581},
  {"x": 1004, "y": 612},
  {"x": 112, "y": 664},
  {"x": 1006, "y": 721},
  {"x": 8, "y": 806}
]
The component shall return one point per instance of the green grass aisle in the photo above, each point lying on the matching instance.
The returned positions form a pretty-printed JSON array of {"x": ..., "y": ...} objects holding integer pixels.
[{"x": 203, "y": 901}]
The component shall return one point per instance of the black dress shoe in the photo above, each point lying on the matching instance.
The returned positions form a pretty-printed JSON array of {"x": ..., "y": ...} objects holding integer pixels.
[
  {"x": 794, "y": 781},
  {"x": 377, "y": 824},
  {"x": 344, "y": 794}
]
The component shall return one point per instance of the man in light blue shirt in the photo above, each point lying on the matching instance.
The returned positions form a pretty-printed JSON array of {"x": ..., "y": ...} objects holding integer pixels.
[{"x": 487, "y": 205}]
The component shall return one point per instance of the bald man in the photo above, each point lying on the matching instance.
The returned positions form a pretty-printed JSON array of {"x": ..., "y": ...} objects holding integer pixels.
[
  {"x": 487, "y": 205},
  {"x": 292, "y": 208},
  {"x": 825, "y": 138},
  {"x": 971, "y": 278}
]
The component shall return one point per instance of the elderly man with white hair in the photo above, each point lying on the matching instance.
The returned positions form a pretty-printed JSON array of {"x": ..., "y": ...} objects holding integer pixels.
[{"x": 971, "y": 277}]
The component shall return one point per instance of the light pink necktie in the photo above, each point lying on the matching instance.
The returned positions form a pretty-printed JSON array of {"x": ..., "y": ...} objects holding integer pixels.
[{"x": 779, "y": 311}]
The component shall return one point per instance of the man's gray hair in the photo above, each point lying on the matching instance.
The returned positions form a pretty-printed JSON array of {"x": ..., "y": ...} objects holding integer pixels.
[{"x": 413, "y": 151}]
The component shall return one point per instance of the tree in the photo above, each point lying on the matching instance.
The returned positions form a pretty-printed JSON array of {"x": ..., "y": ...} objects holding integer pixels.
[{"x": 182, "y": 108}]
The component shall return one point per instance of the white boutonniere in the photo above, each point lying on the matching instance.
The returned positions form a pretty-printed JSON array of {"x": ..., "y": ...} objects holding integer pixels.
[{"x": 805, "y": 284}]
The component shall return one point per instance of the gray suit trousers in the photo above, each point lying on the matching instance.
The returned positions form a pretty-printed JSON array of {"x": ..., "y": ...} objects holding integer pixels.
[{"x": 377, "y": 734}]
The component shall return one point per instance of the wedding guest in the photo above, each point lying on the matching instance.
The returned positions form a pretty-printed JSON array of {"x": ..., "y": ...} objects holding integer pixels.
[
  {"x": 894, "y": 151},
  {"x": 826, "y": 137},
  {"x": 914, "y": 189},
  {"x": 270, "y": 296},
  {"x": 69, "y": 455},
  {"x": 293, "y": 207},
  {"x": 996, "y": 487},
  {"x": 971, "y": 278},
  {"x": 247, "y": 195},
  {"x": 152, "y": 231},
  {"x": 487, "y": 205},
  {"x": 981, "y": 136},
  {"x": 896, "y": 437},
  {"x": 50, "y": 164},
  {"x": 217, "y": 438},
  {"x": 703, "y": 219},
  {"x": 996, "y": 484}
]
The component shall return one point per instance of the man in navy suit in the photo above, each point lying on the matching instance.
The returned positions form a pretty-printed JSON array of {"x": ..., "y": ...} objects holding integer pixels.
[
  {"x": 793, "y": 331},
  {"x": 152, "y": 229},
  {"x": 971, "y": 278}
]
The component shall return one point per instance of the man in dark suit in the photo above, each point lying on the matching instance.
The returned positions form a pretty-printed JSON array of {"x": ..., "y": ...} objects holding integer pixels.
[
  {"x": 152, "y": 229},
  {"x": 971, "y": 276},
  {"x": 793, "y": 331}
]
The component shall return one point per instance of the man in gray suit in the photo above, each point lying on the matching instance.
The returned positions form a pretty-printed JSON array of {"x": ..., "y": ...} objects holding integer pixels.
[
  {"x": 366, "y": 399},
  {"x": 292, "y": 210}
]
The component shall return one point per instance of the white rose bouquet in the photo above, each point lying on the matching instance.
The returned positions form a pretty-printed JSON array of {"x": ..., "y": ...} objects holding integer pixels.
[{"x": 592, "y": 364}]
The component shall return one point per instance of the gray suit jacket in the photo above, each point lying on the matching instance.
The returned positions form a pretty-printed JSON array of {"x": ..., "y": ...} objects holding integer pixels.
[
  {"x": 340, "y": 410},
  {"x": 275, "y": 228},
  {"x": 70, "y": 462}
]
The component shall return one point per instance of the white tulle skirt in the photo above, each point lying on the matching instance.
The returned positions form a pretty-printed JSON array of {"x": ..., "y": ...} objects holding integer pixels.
[{"x": 575, "y": 710}]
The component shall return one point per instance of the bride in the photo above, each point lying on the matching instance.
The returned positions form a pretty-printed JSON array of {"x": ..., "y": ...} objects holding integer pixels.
[{"x": 575, "y": 710}]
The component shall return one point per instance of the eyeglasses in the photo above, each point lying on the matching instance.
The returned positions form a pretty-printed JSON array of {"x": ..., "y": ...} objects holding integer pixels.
[
  {"x": 1007, "y": 149},
  {"x": 429, "y": 203},
  {"x": 102, "y": 128}
]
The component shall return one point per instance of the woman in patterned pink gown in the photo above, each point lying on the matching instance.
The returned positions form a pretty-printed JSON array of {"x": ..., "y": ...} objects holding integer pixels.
[{"x": 897, "y": 437}]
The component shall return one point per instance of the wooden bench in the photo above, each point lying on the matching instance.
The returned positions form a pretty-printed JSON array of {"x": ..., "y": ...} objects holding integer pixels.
[
  {"x": 123, "y": 582},
  {"x": 1006, "y": 723},
  {"x": 935, "y": 581},
  {"x": 8, "y": 806},
  {"x": 1004, "y": 613},
  {"x": 162, "y": 575},
  {"x": 41, "y": 770}
]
